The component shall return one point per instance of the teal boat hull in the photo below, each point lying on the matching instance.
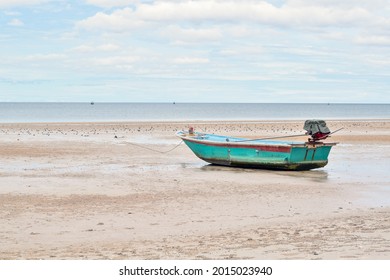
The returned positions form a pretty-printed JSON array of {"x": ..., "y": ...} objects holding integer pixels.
[{"x": 238, "y": 152}]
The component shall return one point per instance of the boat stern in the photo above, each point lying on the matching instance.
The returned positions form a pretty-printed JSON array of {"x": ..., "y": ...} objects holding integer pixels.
[{"x": 310, "y": 155}]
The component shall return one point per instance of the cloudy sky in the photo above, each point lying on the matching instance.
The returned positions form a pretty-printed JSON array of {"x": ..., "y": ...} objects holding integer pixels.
[{"x": 195, "y": 51}]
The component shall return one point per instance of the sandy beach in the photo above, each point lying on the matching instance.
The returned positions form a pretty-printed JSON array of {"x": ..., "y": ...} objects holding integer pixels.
[{"x": 90, "y": 191}]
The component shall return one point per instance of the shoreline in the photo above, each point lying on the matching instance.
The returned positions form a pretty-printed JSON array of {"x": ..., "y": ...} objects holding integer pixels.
[{"x": 74, "y": 191}]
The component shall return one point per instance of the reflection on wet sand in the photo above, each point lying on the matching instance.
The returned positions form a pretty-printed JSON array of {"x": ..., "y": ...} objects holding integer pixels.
[{"x": 314, "y": 175}]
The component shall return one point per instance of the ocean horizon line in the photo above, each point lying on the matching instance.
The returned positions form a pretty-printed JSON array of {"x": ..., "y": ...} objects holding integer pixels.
[{"x": 17, "y": 112}]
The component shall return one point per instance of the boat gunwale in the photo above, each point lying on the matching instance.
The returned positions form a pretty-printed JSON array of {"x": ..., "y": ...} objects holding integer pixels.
[{"x": 253, "y": 144}]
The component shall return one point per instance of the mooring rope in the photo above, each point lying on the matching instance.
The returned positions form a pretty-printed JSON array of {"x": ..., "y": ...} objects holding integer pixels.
[{"x": 153, "y": 150}]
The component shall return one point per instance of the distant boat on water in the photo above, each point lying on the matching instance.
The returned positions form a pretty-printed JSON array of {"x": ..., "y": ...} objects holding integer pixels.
[
  {"x": 92, "y": 103},
  {"x": 262, "y": 153}
]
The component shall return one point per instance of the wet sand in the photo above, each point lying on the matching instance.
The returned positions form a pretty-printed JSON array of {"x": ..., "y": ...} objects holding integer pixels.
[{"x": 89, "y": 191}]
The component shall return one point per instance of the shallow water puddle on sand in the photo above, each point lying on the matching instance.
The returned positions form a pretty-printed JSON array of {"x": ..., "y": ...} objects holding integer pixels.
[
  {"x": 368, "y": 164},
  {"x": 380, "y": 197},
  {"x": 22, "y": 166},
  {"x": 163, "y": 167}
]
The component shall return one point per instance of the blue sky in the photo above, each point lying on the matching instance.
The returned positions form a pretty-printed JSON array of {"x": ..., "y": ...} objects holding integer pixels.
[{"x": 195, "y": 51}]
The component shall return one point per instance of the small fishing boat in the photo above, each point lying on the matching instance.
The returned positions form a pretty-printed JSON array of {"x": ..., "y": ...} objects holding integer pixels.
[{"x": 263, "y": 153}]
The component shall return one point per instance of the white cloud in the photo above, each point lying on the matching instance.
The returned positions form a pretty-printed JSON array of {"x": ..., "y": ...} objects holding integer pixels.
[
  {"x": 88, "y": 48},
  {"x": 229, "y": 52},
  {"x": 377, "y": 61},
  {"x": 108, "y": 47},
  {"x": 44, "y": 57},
  {"x": 112, "y": 3},
  {"x": 15, "y": 22},
  {"x": 268, "y": 45},
  {"x": 375, "y": 40},
  {"x": 83, "y": 49},
  {"x": 120, "y": 20},
  {"x": 185, "y": 35},
  {"x": 11, "y": 13},
  {"x": 345, "y": 4},
  {"x": 16, "y": 3},
  {"x": 116, "y": 61},
  {"x": 290, "y": 14},
  {"x": 191, "y": 60}
]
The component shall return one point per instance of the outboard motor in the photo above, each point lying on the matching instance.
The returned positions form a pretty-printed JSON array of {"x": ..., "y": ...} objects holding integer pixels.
[{"x": 317, "y": 129}]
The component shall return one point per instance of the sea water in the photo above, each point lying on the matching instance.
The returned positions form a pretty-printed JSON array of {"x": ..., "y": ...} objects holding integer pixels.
[{"x": 110, "y": 112}]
